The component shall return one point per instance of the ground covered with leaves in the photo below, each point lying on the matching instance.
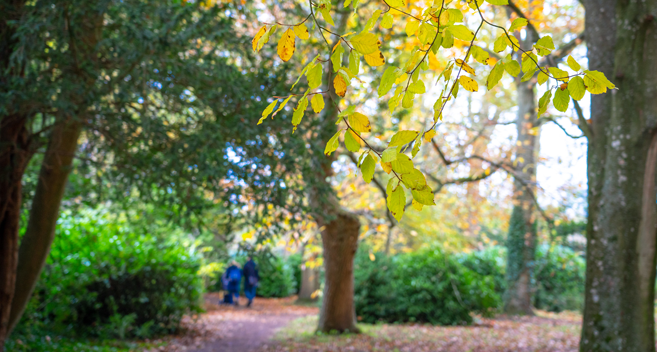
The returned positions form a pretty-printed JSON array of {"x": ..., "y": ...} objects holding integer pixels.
[{"x": 545, "y": 332}]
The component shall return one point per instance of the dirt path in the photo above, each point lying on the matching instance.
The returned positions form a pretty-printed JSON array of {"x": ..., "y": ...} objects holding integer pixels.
[{"x": 237, "y": 329}]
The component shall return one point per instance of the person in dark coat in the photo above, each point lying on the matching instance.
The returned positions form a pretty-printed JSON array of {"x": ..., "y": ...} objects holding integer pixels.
[
  {"x": 231, "y": 282},
  {"x": 251, "y": 278}
]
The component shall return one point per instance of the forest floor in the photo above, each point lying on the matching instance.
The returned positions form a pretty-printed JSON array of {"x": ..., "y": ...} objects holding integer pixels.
[{"x": 276, "y": 325}]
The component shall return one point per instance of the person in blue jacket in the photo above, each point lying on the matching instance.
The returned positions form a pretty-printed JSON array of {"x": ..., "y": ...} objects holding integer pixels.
[
  {"x": 251, "y": 278},
  {"x": 231, "y": 282}
]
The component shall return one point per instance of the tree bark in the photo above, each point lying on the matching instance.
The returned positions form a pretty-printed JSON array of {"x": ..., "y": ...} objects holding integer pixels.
[
  {"x": 521, "y": 240},
  {"x": 309, "y": 283},
  {"x": 622, "y": 153},
  {"x": 35, "y": 245},
  {"x": 14, "y": 156}
]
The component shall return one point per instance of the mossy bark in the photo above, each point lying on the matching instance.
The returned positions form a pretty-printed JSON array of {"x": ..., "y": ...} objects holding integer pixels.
[
  {"x": 521, "y": 239},
  {"x": 622, "y": 153}
]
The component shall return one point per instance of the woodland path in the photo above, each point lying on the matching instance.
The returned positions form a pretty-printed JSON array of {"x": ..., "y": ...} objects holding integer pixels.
[{"x": 237, "y": 329}]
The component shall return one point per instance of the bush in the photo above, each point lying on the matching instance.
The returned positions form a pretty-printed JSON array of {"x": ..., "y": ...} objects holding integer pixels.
[
  {"x": 558, "y": 278},
  {"x": 276, "y": 277},
  {"x": 424, "y": 286},
  {"x": 102, "y": 279}
]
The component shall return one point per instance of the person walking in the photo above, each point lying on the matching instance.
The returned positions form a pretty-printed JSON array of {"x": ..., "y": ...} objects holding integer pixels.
[
  {"x": 231, "y": 282},
  {"x": 251, "y": 278}
]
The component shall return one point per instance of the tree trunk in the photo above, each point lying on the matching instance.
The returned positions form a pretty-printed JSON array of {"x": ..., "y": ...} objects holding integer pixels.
[
  {"x": 309, "y": 283},
  {"x": 521, "y": 240},
  {"x": 35, "y": 245},
  {"x": 340, "y": 228},
  {"x": 14, "y": 156},
  {"x": 622, "y": 153},
  {"x": 340, "y": 240}
]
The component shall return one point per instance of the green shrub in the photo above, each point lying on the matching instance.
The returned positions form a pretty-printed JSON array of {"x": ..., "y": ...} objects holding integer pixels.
[
  {"x": 276, "y": 277},
  {"x": 424, "y": 286},
  {"x": 102, "y": 279},
  {"x": 558, "y": 278}
]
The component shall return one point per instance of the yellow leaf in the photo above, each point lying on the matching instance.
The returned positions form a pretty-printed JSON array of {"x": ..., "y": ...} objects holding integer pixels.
[
  {"x": 465, "y": 67},
  {"x": 366, "y": 43},
  {"x": 301, "y": 31},
  {"x": 387, "y": 167},
  {"x": 469, "y": 83},
  {"x": 317, "y": 102},
  {"x": 375, "y": 59},
  {"x": 339, "y": 85},
  {"x": 411, "y": 27},
  {"x": 359, "y": 122},
  {"x": 256, "y": 39},
  {"x": 286, "y": 45},
  {"x": 429, "y": 135},
  {"x": 417, "y": 206}
]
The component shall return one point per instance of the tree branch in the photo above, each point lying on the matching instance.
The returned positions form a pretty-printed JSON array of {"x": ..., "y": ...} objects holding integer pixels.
[
  {"x": 583, "y": 124},
  {"x": 519, "y": 12}
]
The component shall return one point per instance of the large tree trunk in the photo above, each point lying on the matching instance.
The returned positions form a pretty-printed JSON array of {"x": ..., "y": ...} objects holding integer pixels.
[
  {"x": 15, "y": 153},
  {"x": 620, "y": 272},
  {"x": 35, "y": 245},
  {"x": 14, "y": 156},
  {"x": 521, "y": 240}
]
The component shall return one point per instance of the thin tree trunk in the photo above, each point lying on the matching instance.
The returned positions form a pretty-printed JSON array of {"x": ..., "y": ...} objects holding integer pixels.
[
  {"x": 340, "y": 228},
  {"x": 521, "y": 240},
  {"x": 309, "y": 283},
  {"x": 620, "y": 273},
  {"x": 35, "y": 245},
  {"x": 14, "y": 156}
]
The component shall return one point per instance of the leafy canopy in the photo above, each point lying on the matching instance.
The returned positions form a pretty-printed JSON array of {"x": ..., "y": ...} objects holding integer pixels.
[{"x": 430, "y": 29}]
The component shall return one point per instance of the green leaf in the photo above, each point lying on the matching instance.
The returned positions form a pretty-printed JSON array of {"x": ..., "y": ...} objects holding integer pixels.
[
  {"x": 427, "y": 33},
  {"x": 299, "y": 111},
  {"x": 367, "y": 168},
  {"x": 596, "y": 82},
  {"x": 414, "y": 179},
  {"x": 333, "y": 143},
  {"x": 448, "y": 40},
  {"x": 280, "y": 107},
  {"x": 576, "y": 88},
  {"x": 423, "y": 195},
  {"x": 388, "y": 79},
  {"x": 574, "y": 65},
  {"x": 517, "y": 23},
  {"x": 500, "y": 44},
  {"x": 336, "y": 57},
  {"x": 529, "y": 61},
  {"x": 543, "y": 102},
  {"x": 403, "y": 164},
  {"x": 396, "y": 201},
  {"x": 561, "y": 99},
  {"x": 495, "y": 75},
  {"x": 326, "y": 13},
  {"x": 389, "y": 154},
  {"x": 386, "y": 21},
  {"x": 314, "y": 76},
  {"x": 267, "y": 111},
  {"x": 354, "y": 62},
  {"x": 512, "y": 67},
  {"x": 559, "y": 74},
  {"x": 350, "y": 142},
  {"x": 407, "y": 101},
  {"x": 402, "y": 138},
  {"x": 544, "y": 46},
  {"x": 417, "y": 145},
  {"x": 371, "y": 21},
  {"x": 480, "y": 54},
  {"x": 461, "y": 32},
  {"x": 317, "y": 102},
  {"x": 365, "y": 43},
  {"x": 396, "y": 3},
  {"x": 417, "y": 87},
  {"x": 542, "y": 77}
]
